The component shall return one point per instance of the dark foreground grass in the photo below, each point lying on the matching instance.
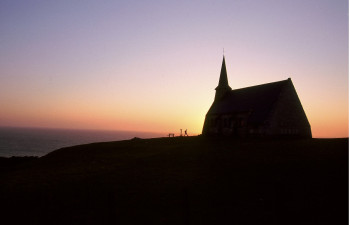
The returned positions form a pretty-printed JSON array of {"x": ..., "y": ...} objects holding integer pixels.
[{"x": 181, "y": 181}]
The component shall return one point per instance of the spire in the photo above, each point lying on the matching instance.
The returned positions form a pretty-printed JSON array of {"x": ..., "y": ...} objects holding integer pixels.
[
  {"x": 223, "y": 82},
  {"x": 223, "y": 86}
]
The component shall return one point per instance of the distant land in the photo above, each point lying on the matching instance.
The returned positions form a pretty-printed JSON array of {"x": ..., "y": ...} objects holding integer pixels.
[{"x": 181, "y": 180}]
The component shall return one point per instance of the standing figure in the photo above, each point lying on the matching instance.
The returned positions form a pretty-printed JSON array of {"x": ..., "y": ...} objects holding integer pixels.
[{"x": 186, "y": 133}]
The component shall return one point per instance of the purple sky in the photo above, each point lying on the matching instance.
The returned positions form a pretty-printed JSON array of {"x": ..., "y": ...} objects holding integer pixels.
[{"x": 153, "y": 65}]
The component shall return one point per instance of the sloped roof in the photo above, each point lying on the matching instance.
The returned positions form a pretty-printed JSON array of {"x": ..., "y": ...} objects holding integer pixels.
[
  {"x": 256, "y": 99},
  {"x": 223, "y": 81}
]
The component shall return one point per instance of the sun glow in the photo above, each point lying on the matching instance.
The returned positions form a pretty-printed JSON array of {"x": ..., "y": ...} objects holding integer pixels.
[{"x": 154, "y": 67}]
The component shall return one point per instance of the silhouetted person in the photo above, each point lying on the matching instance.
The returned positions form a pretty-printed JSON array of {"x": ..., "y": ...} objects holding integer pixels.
[{"x": 186, "y": 133}]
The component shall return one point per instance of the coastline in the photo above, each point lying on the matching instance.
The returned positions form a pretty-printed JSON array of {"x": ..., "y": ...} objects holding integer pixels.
[{"x": 28, "y": 141}]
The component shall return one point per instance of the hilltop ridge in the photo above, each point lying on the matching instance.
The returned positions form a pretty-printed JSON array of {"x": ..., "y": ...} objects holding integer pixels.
[{"x": 184, "y": 180}]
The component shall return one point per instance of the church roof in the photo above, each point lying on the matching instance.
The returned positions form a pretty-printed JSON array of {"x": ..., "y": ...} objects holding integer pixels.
[
  {"x": 258, "y": 100},
  {"x": 223, "y": 81}
]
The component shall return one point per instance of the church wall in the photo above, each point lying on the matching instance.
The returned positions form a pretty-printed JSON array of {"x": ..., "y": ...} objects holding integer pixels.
[
  {"x": 287, "y": 117},
  {"x": 234, "y": 124},
  {"x": 212, "y": 125}
]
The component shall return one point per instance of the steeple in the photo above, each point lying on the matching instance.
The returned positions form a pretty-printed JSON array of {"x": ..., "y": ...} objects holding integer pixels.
[{"x": 223, "y": 86}]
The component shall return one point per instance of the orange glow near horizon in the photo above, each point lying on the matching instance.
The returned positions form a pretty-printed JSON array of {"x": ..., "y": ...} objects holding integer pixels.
[
  {"x": 161, "y": 109},
  {"x": 169, "y": 114},
  {"x": 151, "y": 121},
  {"x": 153, "y": 67},
  {"x": 324, "y": 127}
]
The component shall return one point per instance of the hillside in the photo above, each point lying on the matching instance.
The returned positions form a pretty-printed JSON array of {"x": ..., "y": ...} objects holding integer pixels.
[{"x": 189, "y": 180}]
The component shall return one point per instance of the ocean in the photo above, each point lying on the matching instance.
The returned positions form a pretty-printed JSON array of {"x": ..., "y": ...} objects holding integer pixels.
[{"x": 40, "y": 141}]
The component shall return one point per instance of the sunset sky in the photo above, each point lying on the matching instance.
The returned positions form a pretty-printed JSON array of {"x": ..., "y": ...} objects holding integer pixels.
[{"x": 154, "y": 65}]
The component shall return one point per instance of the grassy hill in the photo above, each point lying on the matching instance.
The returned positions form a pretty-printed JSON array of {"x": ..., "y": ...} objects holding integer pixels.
[{"x": 189, "y": 180}]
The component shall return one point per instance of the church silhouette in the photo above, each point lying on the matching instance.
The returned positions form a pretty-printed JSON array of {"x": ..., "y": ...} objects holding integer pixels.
[{"x": 266, "y": 110}]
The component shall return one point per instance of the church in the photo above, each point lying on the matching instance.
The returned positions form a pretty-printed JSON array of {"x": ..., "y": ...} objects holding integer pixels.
[{"x": 266, "y": 110}]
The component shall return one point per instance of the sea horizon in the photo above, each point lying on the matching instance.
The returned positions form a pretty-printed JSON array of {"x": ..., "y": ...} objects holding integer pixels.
[{"x": 39, "y": 141}]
